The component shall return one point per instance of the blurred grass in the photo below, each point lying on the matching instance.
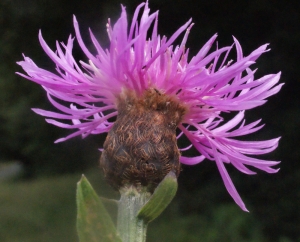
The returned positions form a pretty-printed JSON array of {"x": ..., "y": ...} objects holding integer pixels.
[
  {"x": 44, "y": 210},
  {"x": 39, "y": 210}
]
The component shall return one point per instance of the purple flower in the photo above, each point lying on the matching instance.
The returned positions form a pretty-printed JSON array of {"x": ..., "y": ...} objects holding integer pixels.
[{"x": 208, "y": 85}]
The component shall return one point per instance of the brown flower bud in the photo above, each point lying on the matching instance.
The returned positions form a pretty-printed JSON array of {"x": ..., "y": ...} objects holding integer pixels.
[{"x": 141, "y": 148}]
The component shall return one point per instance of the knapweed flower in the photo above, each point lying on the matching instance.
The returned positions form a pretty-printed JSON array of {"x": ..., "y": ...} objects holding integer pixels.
[{"x": 154, "y": 88}]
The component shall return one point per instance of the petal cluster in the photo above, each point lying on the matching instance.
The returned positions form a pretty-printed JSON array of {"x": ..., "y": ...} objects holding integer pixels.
[{"x": 138, "y": 58}]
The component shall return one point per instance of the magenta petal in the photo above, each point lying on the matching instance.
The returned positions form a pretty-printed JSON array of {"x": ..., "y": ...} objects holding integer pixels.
[
  {"x": 229, "y": 185},
  {"x": 191, "y": 160}
]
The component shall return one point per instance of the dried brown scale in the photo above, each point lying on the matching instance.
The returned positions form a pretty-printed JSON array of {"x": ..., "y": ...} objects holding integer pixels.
[{"x": 141, "y": 147}]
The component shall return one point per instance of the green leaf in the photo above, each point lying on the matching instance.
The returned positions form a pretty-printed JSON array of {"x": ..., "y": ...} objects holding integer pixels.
[
  {"x": 161, "y": 198},
  {"x": 93, "y": 221}
]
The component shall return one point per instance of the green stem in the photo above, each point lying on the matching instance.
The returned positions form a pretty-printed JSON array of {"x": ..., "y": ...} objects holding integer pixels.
[{"x": 129, "y": 227}]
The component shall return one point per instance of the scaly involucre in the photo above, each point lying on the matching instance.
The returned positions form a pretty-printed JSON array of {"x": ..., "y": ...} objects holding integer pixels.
[{"x": 207, "y": 84}]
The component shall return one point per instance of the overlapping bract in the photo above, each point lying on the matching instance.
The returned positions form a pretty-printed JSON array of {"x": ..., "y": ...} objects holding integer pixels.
[{"x": 208, "y": 84}]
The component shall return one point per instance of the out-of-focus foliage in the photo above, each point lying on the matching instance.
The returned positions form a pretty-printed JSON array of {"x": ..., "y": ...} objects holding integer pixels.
[
  {"x": 273, "y": 200},
  {"x": 225, "y": 223},
  {"x": 44, "y": 210},
  {"x": 39, "y": 210}
]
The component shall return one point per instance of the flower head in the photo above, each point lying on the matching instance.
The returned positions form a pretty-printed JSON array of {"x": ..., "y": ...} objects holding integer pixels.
[{"x": 144, "y": 71}]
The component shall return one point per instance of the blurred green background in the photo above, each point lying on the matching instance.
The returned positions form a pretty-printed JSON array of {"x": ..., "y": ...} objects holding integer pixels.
[{"x": 38, "y": 204}]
